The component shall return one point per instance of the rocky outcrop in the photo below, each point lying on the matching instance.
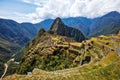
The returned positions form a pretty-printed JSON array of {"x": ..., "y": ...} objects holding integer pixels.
[{"x": 59, "y": 28}]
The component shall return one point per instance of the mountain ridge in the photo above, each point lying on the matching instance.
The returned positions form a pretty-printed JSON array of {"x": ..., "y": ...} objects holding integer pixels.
[{"x": 91, "y": 27}]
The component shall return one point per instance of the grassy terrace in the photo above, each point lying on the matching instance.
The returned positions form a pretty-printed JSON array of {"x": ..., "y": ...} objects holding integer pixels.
[
  {"x": 104, "y": 65},
  {"x": 96, "y": 71}
]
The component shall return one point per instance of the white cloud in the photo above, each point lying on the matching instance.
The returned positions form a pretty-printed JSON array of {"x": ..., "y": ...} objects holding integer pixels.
[
  {"x": 21, "y": 17},
  {"x": 71, "y": 8},
  {"x": 36, "y": 2}
]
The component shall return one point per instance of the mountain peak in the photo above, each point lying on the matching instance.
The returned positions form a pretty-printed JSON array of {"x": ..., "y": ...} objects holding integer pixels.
[
  {"x": 58, "y": 19},
  {"x": 59, "y": 28},
  {"x": 57, "y": 23},
  {"x": 113, "y": 14}
]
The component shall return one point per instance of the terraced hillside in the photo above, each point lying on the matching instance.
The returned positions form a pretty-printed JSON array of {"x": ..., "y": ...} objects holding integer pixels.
[
  {"x": 52, "y": 50},
  {"x": 49, "y": 52},
  {"x": 96, "y": 59}
]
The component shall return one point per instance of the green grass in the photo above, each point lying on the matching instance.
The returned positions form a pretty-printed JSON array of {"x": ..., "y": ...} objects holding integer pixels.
[
  {"x": 86, "y": 72},
  {"x": 104, "y": 64}
]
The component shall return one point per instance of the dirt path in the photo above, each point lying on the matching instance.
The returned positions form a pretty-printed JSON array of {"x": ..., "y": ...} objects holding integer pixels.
[{"x": 6, "y": 67}]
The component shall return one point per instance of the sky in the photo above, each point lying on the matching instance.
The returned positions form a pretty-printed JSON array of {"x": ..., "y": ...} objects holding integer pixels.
[{"x": 38, "y": 10}]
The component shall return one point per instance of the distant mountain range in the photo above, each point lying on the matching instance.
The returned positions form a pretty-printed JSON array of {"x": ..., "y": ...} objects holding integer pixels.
[
  {"x": 19, "y": 34},
  {"x": 90, "y": 27},
  {"x": 13, "y": 36}
]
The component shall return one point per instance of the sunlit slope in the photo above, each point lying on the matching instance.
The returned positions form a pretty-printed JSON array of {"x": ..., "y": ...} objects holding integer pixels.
[{"x": 103, "y": 65}]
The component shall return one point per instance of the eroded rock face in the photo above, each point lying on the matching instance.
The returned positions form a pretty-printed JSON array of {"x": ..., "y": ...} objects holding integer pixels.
[{"x": 59, "y": 28}]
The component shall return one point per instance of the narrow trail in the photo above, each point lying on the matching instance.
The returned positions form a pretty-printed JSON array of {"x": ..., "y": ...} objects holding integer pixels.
[{"x": 6, "y": 67}]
